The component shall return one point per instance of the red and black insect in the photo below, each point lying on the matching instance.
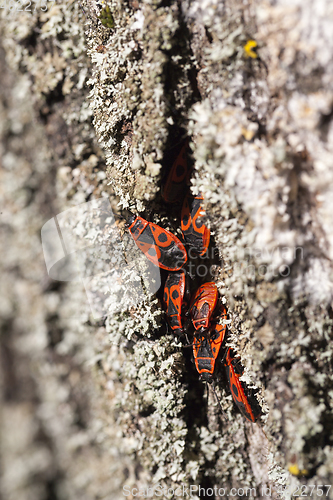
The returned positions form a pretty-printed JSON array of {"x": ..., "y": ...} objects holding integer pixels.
[
  {"x": 206, "y": 348},
  {"x": 173, "y": 189},
  {"x": 196, "y": 233},
  {"x": 160, "y": 246},
  {"x": 173, "y": 298},
  {"x": 203, "y": 306},
  {"x": 243, "y": 397}
]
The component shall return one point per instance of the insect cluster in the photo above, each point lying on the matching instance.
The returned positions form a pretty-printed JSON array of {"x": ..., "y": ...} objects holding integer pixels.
[{"x": 201, "y": 315}]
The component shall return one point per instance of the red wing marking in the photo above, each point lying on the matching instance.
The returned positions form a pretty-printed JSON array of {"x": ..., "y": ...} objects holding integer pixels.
[
  {"x": 203, "y": 305},
  {"x": 195, "y": 232},
  {"x": 244, "y": 399},
  {"x": 160, "y": 246},
  {"x": 206, "y": 348},
  {"x": 173, "y": 297}
]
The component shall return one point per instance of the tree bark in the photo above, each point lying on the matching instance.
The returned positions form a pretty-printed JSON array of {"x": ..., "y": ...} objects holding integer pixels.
[{"x": 92, "y": 409}]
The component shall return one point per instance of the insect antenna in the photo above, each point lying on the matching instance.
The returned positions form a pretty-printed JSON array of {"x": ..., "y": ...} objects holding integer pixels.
[
  {"x": 193, "y": 302},
  {"x": 187, "y": 345},
  {"x": 217, "y": 399},
  {"x": 262, "y": 430},
  {"x": 190, "y": 344}
]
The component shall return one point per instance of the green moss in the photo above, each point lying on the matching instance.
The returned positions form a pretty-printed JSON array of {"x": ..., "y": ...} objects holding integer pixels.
[{"x": 106, "y": 17}]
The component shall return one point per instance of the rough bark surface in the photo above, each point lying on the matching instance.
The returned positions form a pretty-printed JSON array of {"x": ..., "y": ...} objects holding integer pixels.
[{"x": 90, "y": 407}]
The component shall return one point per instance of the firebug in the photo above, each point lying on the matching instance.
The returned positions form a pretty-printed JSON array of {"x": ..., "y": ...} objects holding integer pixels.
[
  {"x": 173, "y": 299},
  {"x": 206, "y": 348},
  {"x": 203, "y": 306},
  {"x": 243, "y": 397},
  {"x": 196, "y": 233},
  {"x": 160, "y": 246}
]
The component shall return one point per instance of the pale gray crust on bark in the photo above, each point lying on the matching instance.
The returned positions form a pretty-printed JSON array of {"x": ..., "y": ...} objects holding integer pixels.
[{"x": 90, "y": 407}]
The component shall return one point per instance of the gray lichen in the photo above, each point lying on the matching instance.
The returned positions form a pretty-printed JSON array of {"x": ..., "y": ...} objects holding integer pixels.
[{"x": 260, "y": 131}]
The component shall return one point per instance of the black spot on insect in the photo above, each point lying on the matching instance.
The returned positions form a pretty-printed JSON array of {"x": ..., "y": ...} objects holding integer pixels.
[
  {"x": 234, "y": 390},
  {"x": 199, "y": 222},
  {"x": 162, "y": 238},
  {"x": 243, "y": 409},
  {"x": 152, "y": 252},
  {"x": 175, "y": 294},
  {"x": 185, "y": 220}
]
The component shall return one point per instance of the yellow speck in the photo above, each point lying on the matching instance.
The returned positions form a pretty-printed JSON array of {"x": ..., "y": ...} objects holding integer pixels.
[
  {"x": 248, "y": 48},
  {"x": 295, "y": 471},
  {"x": 248, "y": 134}
]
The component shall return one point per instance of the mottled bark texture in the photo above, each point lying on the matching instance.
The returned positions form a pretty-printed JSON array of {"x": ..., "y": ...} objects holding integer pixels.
[{"x": 90, "y": 407}]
